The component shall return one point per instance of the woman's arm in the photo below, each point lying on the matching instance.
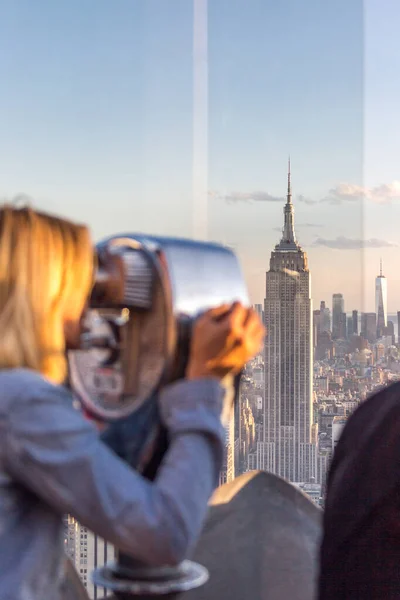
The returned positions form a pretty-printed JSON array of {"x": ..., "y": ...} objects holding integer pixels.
[
  {"x": 54, "y": 452},
  {"x": 127, "y": 437}
]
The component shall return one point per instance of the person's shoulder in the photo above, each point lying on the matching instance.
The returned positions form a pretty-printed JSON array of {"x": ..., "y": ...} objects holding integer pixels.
[
  {"x": 385, "y": 399},
  {"x": 18, "y": 385},
  {"x": 31, "y": 403},
  {"x": 23, "y": 379},
  {"x": 379, "y": 411}
]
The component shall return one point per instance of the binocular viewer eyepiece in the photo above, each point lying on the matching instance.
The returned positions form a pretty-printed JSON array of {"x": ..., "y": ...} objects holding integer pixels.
[
  {"x": 147, "y": 293},
  {"x": 125, "y": 276}
]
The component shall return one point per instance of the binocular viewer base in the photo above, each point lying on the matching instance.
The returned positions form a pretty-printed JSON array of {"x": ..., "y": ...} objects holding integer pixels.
[{"x": 147, "y": 582}]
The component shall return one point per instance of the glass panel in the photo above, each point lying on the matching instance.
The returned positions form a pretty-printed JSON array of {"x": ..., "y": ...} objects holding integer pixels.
[
  {"x": 178, "y": 118},
  {"x": 96, "y": 121},
  {"x": 382, "y": 144},
  {"x": 287, "y": 79}
]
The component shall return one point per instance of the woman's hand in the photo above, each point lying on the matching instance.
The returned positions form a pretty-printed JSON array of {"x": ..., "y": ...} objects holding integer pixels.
[{"x": 223, "y": 340}]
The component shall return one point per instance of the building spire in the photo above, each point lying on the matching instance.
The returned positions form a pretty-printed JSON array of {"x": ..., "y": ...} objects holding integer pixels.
[
  {"x": 380, "y": 269},
  {"x": 289, "y": 184},
  {"x": 289, "y": 236}
]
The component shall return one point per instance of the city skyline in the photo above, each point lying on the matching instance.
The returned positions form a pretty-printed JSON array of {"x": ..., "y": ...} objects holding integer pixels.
[
  {"x": 372, "y": 302},
  {"x": 319, "y": 365},
  {"x": 98, "y": 125}
]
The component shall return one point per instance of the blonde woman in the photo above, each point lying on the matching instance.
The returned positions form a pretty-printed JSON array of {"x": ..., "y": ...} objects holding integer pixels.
[{"x": 52, "y": 461}]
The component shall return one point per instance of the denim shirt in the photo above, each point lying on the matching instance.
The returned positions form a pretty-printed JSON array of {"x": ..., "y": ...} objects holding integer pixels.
[
  {"x": 129, "y": 437},
  {"x": 52, "y": 462}
]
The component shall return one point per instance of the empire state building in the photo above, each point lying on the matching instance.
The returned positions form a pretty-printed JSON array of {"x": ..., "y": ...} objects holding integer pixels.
[{"x": 288, "y": 413}]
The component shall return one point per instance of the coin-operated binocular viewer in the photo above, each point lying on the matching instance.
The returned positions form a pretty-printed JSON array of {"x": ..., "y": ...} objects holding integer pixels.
[{"x": 147, "y": 294}]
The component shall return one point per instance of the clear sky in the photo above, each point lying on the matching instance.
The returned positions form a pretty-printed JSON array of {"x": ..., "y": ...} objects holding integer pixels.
[{"x": 96, "y": 122}]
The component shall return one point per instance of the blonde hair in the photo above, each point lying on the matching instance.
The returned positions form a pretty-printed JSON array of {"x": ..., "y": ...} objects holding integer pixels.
[{"x": 46, "y": 272}]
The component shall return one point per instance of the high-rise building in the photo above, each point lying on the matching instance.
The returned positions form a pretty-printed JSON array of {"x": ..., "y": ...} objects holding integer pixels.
[
  {"x": 349, "y": 326},
  {"x": 288, "y": 409},
  {"x": 325, "y": 320},
  {"x": 342, "y": 327},
  {"x": 87, "y": 552},
  {"x": 337, "y": 312},
  {"x": 380, "y": 302},
  {"x": 338, "y": 424},
  {"x": 354, "y": 315},
  {"x": 316, "y": 326},
  {"x": 227, "y": 473},
  {"x": 321, "y": 323},
  {"x": 368, "y": 327},
  {"x": 388, "y": 332},
  {"x": 247, "y": 435},
  {"x": 325, "y": 347},
  {"x": 398, "y": 326},
  {"x": 259, "y": 310}
]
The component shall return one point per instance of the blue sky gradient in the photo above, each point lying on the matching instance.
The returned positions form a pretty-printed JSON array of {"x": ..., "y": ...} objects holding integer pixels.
[{"x": 96, "y": 122}]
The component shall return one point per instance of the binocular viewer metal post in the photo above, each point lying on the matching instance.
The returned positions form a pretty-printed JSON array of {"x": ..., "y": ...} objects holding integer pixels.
[{"x": 148, "y": 291}]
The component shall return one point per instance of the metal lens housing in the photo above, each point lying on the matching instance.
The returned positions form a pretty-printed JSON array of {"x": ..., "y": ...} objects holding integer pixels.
[{"x": 148, "y": 292}]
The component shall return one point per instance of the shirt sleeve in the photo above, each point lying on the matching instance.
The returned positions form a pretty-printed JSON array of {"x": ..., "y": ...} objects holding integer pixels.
[
  {"x": 54, "y": 452},
  {"x": 128, "y": 437}
]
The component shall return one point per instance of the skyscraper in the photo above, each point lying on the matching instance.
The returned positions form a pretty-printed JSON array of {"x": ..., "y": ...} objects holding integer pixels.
[
  {"x": 354, "y": 316},
  {"x": 316, "y": 326},
  {"x": 87, "y": 551},
  {"x": 337, "y": 312},
  {"x": 325, "y": 324},
  {"x": 349, "y": 327},
  {"x": 398, "y": 326},
  {"x": 227, "y": 473},
  {"x": 389, "y": 331},
  {"x": 368, "y": 327},
  {"x": 259, "y": 310},
  {"x": 288, "y": 408},
  {"x": 343, "y": 326},
  {"x": 381, "y": 302}
]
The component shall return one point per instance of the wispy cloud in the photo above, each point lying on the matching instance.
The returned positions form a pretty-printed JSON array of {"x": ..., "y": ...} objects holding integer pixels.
[
  {"x": 339, "y": 194},
  {"x": 344, "y": 192},
  {"x": 348, "y": 192},
  {"x": 343, "y": 243},
  {"x": 385, "y": 192},
  {"x": 256, "y": 196},
  {"x": 309, "y": 201}
]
